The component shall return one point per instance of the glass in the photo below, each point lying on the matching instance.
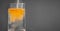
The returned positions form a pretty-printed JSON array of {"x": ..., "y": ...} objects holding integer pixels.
[{"x": 16, "y": 14}]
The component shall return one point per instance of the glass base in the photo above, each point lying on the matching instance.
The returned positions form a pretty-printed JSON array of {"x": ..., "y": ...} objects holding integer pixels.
[{"x": 16, "y": 30}]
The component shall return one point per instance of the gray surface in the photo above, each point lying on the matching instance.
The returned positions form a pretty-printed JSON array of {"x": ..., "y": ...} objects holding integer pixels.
[{"x": 41, "y": 15}]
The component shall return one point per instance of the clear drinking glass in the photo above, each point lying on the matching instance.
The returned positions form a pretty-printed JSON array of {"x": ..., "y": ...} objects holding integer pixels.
[{"x": 16, "y": 14}]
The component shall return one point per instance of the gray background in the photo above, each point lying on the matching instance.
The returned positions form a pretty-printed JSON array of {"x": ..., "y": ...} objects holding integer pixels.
[{"x": 41, "y": 15}]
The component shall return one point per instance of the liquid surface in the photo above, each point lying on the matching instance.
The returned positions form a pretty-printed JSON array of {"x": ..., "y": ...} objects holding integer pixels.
[{"x": 16, "y": 14}]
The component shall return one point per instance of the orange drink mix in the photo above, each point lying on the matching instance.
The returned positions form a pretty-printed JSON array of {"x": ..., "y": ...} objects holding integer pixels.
[{"x": 16, "y": 14}]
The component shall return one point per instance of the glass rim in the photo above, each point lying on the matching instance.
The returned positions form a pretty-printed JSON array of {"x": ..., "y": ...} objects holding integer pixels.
[{"x": 16, "y": 3}]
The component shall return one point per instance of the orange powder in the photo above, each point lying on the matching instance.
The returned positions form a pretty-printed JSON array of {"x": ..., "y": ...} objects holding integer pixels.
[{"x": 16, "y": 14}]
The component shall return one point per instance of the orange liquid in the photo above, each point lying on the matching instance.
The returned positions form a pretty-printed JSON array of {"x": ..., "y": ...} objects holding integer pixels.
[{"x": 16, "y": 14}]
